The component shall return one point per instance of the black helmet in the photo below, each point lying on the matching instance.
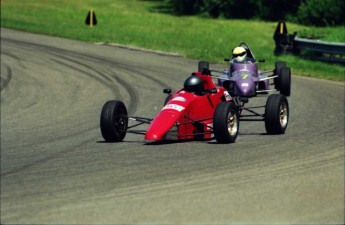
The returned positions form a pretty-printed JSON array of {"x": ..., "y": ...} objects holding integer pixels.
[{"x": 193, "y": 84}]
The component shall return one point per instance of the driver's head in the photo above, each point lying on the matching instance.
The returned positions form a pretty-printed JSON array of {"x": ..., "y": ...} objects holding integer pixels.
[{"x": 239, "y": 54}]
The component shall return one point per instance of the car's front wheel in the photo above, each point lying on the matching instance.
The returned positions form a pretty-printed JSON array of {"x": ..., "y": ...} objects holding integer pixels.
[
  {"x": 276, "y": 114},
  {"x": 114, "y": 121},
  {"x": 226, "y": 122}
]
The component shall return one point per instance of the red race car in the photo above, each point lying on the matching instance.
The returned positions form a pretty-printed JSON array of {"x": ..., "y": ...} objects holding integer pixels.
[
  {"x": 196, "y": 111},
  {"x": 200, "y": 110}
]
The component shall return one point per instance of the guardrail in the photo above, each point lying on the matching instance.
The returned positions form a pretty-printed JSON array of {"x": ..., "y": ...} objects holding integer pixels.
[{"x": 315, "y": 49}]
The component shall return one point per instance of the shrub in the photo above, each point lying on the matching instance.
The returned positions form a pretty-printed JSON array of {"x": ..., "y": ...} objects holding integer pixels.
[
  {"x": 185, "y": 7},
  {"x": 321, "y": 12},
  {"x": 275, "y": 10},
  {"x": 308, "y": 12}
]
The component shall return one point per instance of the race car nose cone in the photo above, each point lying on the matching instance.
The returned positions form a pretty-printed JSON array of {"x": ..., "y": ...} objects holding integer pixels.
[
  {"x": 163, "y": 122},
  {"x": 246, "y": 87},
  {"x": 152, "y": 137}
]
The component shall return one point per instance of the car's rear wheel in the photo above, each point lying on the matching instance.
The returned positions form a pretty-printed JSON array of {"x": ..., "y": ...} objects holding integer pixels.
[
  {"x": 285, "y": 81},
  {"x": 226, "y": 122},
  {"x": 278, "y": 66},
  {"x": 114, "y": 121},
  {"x": 276, "y": 114}
]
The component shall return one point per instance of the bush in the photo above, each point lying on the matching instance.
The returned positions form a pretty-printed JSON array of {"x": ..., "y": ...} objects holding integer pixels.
[
  {"x": 321, "y": 12},
  {"x": 244, "y": 9},
  {"x": 231, "y": 8},
  {"x": 275, "y": 10},
  {"x": 308, "y": 12},
  {"x": 185, "y": 7}
]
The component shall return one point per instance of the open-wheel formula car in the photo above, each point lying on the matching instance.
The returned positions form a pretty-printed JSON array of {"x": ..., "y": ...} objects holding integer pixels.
[
  {"x": 203, "y": 110},
  {"x": 246, "y": 80},
  {"x": 197, "y": 111}
]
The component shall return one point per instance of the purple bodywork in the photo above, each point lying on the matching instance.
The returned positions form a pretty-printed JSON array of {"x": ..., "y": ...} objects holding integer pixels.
[{"x": 243, "y": 79}]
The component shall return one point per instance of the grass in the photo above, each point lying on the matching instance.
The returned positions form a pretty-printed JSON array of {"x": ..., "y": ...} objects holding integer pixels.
[
  {"x": 325, "y": 33},
  {"x": 137, "y": 23}
]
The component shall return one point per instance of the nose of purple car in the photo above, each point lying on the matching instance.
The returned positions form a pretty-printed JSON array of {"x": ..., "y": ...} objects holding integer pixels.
[{"x": 246, "y": 85}]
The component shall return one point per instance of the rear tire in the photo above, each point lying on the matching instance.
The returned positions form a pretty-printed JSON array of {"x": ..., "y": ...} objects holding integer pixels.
[
  {"x": 277, "y": 68},
  {"x": 114, "y": 121},
  {"x": 285, "y": 81},
  {"x": 226, "y": 122},
  {"x": 276, "y": 114}
]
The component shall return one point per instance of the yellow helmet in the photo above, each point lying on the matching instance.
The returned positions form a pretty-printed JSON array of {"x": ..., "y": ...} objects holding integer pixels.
[{"x": 239, "y": 54}]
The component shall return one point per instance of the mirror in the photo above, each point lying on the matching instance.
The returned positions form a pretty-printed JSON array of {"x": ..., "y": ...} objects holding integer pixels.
[{"x": 167, "y": 90}]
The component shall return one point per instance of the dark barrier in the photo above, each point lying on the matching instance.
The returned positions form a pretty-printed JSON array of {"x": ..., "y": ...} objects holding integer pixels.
[{"x": 315, "y": 49}]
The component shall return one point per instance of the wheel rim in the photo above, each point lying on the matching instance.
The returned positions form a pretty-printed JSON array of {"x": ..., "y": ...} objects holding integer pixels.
[
  {"x": 232, "y": 123},
  {"x": 121, "y": 121},
  {"x": 283, "y": 115}
]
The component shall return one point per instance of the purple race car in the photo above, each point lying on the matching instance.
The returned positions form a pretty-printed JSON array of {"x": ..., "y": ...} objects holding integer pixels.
[{"x": 244, "y": 81}]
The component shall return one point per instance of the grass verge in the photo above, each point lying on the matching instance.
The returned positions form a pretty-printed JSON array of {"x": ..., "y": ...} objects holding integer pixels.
[{"x": 137, "y": 23}]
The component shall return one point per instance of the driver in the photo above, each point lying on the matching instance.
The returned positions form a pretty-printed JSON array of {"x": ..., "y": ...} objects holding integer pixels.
[{"x": 239, "y": 55}]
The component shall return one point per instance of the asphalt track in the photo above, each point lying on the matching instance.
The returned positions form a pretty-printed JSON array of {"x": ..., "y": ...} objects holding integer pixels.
[{"x": 55, "y": 167}]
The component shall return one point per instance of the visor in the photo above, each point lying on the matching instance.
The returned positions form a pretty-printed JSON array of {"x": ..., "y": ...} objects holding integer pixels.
[{"x": 239, "y": 54}]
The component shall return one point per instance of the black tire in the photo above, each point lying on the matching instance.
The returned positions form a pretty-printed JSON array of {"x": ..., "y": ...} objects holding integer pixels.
[
  {"x": 277, "y": 67},
  {"x": 114, "y": 121},
  {"x": 226, "y": 122},
  {"x": 285, "y": 81},
  {"x": 202, "y": 65},
  {"x": 276, "y": 114}
]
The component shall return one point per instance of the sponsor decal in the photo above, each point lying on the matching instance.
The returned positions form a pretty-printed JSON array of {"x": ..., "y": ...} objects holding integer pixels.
[
  {"x": 179, "y": 99},
  {"x": 245, "y": 76},
  {"x": 173, "y": 107},
  {"x": 245, "y": 85},
  {"x": 227, "y": 96}
]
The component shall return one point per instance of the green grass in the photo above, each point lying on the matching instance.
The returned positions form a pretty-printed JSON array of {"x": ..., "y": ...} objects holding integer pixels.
[
  {"x": 134, "y": 22},
  {"x": 330, "y": 34}
]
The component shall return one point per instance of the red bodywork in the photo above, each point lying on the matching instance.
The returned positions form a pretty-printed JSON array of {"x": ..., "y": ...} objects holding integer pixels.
[{"x": 191, "y": 113}]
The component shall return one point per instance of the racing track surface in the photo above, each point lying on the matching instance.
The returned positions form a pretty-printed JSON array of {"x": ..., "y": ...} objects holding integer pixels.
[{"x": 55, "y": 167}]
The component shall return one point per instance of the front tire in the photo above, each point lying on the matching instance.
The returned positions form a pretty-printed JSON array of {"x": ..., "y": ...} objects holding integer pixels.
[
  {"x": 226, "y": 122},
  {"x": 276, "y": 114},
  {"x": 114, "y": 121}
]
